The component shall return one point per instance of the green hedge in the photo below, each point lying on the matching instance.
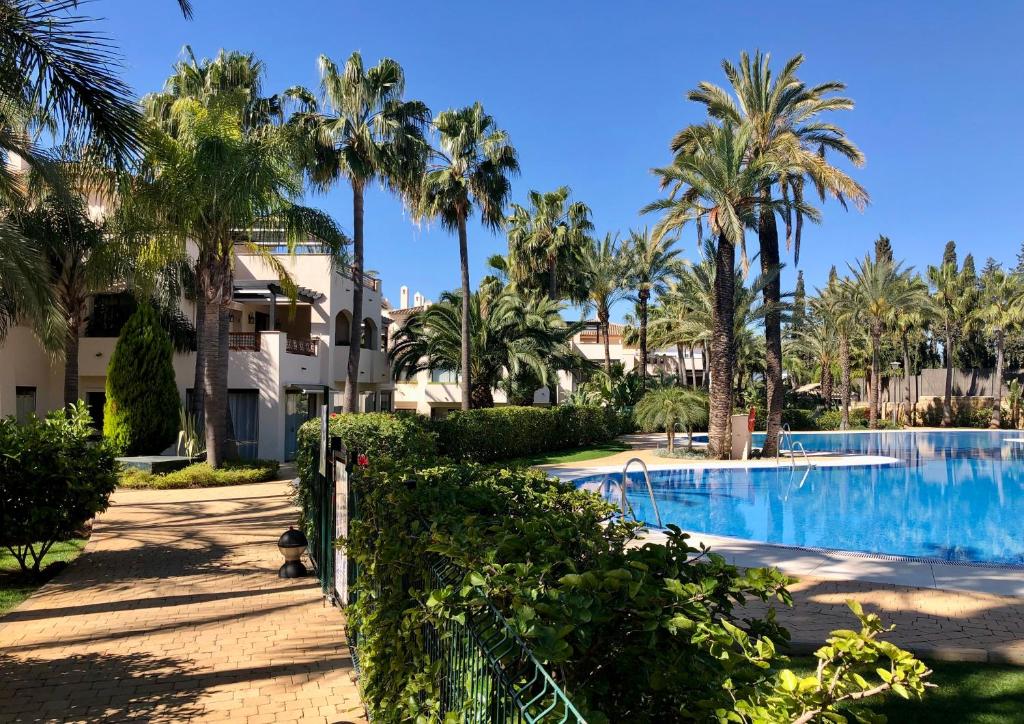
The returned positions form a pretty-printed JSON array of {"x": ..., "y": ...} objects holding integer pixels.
[
  {"x": 201, "y": 475},
  {"x": 640, "y": 634},
  {"x": 500, "y": 433}
]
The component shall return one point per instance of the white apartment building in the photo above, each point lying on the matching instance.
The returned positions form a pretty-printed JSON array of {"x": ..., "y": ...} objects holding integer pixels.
[
  {"x": 283, "y": 355},
  {"x": 590, "y": 344},
  {"x": 436, "y": 393}
]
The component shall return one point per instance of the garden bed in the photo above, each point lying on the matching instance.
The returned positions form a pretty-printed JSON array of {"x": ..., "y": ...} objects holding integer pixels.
[
  {"x": 201, "y": 475},
  {"x": 16, "y": 586}
]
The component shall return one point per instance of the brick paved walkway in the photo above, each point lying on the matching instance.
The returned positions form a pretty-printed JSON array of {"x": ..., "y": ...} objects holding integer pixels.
[
  {"x": 175, "y": 613},
  {"x": 945, "y": 625}
]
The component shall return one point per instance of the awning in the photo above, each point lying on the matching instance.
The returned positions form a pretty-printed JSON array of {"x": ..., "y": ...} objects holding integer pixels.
[{"x": 269, "y": 290}]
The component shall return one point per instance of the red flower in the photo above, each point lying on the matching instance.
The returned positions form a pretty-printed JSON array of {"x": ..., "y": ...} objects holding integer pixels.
[
  {"x": 333, "y": 415},
  {"x": 362, "y": 460}
]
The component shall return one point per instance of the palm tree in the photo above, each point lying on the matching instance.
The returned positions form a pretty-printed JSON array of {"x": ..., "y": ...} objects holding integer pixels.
[
  {"x": 83, "y": 259},
  {"x": 212, "y": 185},
  {"x": 783, "y": 115},
  {"x": 954, "y": 311},
  {"x": 511, "y": 335},
  {"x": 59, "y": 79},
  {"x": 236, "y": 79},
  {"x": 879, "y": 288},
  {"x": 1002, "y": 313},
  {"x": 471, "y": 168},
  {"x": 666, "y": 407},
  {"x": 650, "y": 263},
  {"x": 367, "y": 132},
  {"x": 715, "y": 179},
  {"x": 817, "y": 341},
  {"x": 602, "y": 267},
  {"x": 548, "y": 238}
]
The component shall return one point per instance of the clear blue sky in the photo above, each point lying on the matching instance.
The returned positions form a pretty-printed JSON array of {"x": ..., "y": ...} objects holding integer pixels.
[{"x": 591, "y": 92}]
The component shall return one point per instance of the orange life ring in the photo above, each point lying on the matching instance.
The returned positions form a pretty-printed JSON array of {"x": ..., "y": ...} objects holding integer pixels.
[{"x": 751, "y": 420}]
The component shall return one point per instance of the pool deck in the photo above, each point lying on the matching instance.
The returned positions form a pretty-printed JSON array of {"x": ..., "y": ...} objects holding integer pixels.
[{"x": 941, "y": 610}]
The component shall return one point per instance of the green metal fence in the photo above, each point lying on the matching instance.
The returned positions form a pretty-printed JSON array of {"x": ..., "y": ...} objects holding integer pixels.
[{"x": 487, "y": 672}]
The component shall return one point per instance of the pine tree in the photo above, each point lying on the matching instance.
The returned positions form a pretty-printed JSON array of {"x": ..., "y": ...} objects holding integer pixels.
[
  {"x": 799, "y": 304},
  {"x": 883, "y": 249},
  {"x": 949, "y": 254},
  {"x": 141, "y": 412},
  {"x": 1020, "y": 260},
  {"x": 991, "y": 267}
]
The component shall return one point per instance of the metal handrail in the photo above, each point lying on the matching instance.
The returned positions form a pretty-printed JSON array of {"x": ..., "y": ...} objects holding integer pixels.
[
  {"x": 786, "y": 433},
  {"x": 650, "y": 490}
]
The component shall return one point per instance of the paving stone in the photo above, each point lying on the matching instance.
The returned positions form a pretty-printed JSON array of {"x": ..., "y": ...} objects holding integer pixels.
[{"x": 175, "y": 613}]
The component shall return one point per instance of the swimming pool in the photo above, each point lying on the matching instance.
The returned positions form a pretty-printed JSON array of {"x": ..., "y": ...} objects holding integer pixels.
[{"x": 954, "y": 496}]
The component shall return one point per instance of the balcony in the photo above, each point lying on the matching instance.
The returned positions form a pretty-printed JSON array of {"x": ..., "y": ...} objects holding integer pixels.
[
  {"x": 301, "y": 346},
  {"x": 244, "y": 340},
  {"x": 362, "y": 278}
]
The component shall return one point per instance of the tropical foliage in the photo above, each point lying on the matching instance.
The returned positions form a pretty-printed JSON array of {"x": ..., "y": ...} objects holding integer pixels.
[{"x": 667, "y": 408}]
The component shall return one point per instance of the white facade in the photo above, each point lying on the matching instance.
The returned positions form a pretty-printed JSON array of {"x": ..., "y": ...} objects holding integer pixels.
[
  {"x": 434, "y": 394},
  {"x": 590, "y": 344},
  {"x": 282, "y": 354}
]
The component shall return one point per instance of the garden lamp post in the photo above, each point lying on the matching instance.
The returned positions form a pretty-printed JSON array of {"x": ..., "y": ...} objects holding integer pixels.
[{"x": 292, "y": 545}]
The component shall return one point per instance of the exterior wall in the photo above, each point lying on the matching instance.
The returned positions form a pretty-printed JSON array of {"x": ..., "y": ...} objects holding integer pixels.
[{"x": 271, "y": 369}]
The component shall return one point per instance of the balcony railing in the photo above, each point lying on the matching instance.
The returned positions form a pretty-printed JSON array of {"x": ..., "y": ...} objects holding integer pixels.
[
  {"x": 362, "y": 278},
  {"x": 244, "y": 340},
  {"x": 301, "y": 346}
]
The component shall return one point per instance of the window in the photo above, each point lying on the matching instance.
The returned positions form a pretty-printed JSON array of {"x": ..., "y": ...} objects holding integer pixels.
[
  {"x": 95, "y": 402},
  {"x": 25, "y": 402},
  {"x": 449, "y": 376},
  {"x": 370, "y": 339},
  {"x": 385, "y": 400},
  {"x": 342, "y": 328}
]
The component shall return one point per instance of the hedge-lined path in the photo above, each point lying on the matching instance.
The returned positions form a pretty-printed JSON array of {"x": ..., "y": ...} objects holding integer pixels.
[{"x": 175, "y": 613}]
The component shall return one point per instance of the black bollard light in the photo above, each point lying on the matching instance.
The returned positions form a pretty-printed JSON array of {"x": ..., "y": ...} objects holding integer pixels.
[{"x": 292, "y": 545}]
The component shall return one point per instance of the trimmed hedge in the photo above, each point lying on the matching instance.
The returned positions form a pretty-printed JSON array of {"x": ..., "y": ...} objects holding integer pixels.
[
  {"x": 501, "y": 433},
  {"x": 201, "y": 475},
  {"x": 644, "y": 634}
]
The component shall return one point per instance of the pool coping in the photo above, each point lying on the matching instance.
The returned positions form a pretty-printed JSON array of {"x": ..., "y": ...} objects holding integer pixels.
[{"x": 830, "y": 564}]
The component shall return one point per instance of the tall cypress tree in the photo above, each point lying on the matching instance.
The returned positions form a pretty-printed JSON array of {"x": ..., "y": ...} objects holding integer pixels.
[
  {"x": 141, "y": 412},
  {"x": 949, "y": 254},
  {"x": 883, "y": 249}
]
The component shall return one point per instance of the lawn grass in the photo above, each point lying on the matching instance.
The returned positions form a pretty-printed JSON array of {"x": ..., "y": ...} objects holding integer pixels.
[
  {"x": 576, "y": 455},
  {"x": 15, "y": 587},
  {"x": 966, "y": 693}
]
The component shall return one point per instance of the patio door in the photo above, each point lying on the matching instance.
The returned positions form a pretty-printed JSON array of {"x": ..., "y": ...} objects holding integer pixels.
[
  {"x": 244, "y": 408},
  {"x": 299, "y": 407}
]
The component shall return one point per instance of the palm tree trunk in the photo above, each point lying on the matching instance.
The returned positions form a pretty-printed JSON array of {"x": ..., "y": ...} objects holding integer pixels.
[
  {"x": 214, "y": 386},
  {"x": 844, "y": 381},
  {"x": 200, "y": 373},
  {"x": 464, "y": 265},
  {"x": 230, "y": 442},
  {"x": 553, "y": 278},
  {"x": 874, "y": 389},
  {"x": 826, "y": 384},
  {"x": 602, "y": 316},
  {"x": 355, "y": 337},
  {"x": 481, "y": 397},
  {"x": 768, "y": 240},
  {"x": 947, "y": 395},
  {"x": 722, "y": 330},
  {"x": 997, "y": 406},
  {"x": 642, "y": 304},
  {"x": 215, "y": 282},
  {"x": 906, "y": 380},
  {"x": 706, "y": 363},
  {"x": 671, "y": 438},
  {"x": 681, "y": 379},
  {"x": 71, "y": 342}
]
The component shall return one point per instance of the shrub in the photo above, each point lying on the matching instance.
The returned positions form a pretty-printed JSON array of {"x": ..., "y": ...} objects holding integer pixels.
[
  {"x": 141, "y": 412},
  {"x": 831, "y": 419},
  {"x": 639, "y": 634},
  {"x": 500, "y": 433},
  {"x": 201, "y": 475},
  {"x": 53, "y": 479}
]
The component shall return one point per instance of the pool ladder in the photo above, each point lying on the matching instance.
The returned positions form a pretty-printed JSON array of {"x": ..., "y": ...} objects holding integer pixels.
[
  {"x": 791, "y": 447},
  {"x": 624, "y": 504}
]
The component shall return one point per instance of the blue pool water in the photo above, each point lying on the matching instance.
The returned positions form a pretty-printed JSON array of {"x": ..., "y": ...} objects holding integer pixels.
[{"x": 956, "y": 496}]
